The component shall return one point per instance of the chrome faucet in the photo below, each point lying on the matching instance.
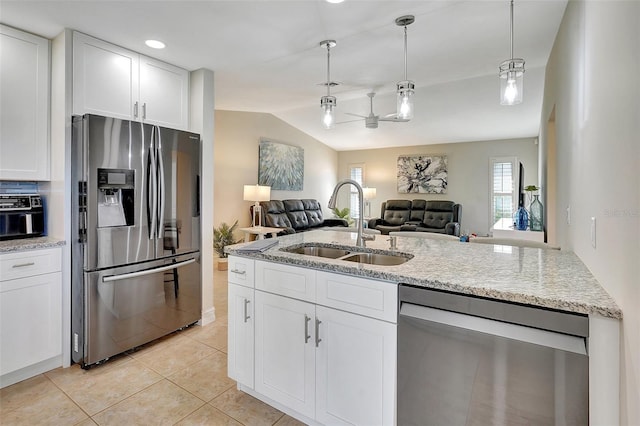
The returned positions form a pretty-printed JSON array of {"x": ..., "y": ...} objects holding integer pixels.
[{"x": 332, "y": 205}]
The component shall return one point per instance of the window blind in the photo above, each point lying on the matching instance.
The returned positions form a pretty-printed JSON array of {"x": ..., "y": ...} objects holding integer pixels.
[
  {"x": 357, "y": 174},
  {"x": 502, "y": 188}
]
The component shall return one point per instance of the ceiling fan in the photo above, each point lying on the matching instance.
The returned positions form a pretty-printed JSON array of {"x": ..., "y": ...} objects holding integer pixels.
[{"x": 371, "y": 120}]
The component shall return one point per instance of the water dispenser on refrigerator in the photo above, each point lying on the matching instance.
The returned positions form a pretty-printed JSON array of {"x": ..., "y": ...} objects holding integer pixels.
[{"x": 115, "y": 197}]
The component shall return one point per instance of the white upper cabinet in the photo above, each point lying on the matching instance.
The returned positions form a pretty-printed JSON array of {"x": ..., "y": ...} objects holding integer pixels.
[
  {"x": 105, "y": 78},
  {"x": 164, "y": 94},
  {"x": 24, "y": 106},
  {"x": 111, "y": 81}
]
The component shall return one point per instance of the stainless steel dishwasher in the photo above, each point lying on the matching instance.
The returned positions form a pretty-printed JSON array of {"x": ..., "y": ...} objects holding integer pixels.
[{"x": 465, "y": 360}]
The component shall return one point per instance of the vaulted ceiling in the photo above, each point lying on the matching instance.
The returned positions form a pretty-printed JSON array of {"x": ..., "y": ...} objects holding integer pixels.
[{"x": 266, "y": 58}]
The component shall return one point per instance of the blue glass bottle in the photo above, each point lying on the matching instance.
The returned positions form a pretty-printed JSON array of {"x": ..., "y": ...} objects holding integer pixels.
[{"x": 521, "y": 219}]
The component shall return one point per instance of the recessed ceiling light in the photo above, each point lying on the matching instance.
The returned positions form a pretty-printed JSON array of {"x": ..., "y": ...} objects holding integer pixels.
[
  {"x": 155, "y": 44},
  {"x": 334, "y": 1}
]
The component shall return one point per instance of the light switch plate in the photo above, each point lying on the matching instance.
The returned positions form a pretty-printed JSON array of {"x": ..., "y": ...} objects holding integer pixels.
[{"x": 593, "y": 232}]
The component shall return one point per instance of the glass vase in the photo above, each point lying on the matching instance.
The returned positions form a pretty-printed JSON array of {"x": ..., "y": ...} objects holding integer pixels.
[
  {"x": 521, "y": 219},
  {"x": 536, "y": 213}
]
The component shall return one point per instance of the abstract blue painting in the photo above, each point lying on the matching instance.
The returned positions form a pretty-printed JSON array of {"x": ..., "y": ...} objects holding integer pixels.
[{"x": 281, "y": 166}]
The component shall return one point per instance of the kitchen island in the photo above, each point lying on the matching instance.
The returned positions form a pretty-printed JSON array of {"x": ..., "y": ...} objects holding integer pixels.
[{"x": 549, "y": 279}]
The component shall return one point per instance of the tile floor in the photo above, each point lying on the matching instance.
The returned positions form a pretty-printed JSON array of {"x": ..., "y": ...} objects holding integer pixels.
[{"x": 177, "y": 380}]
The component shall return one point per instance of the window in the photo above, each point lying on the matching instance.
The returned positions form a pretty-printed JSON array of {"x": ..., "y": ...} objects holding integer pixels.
[
  {"x": 356, "y": 172},
  {"x": 503, "y": 187}
]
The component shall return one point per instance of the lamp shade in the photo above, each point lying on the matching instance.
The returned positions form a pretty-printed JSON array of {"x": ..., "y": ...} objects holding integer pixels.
[
  {"x": 369, "y": 193},
  {"x": 404, "y": 100},
  {"x": 511, "y": 81},
  {"x": 257, "y": 193}
]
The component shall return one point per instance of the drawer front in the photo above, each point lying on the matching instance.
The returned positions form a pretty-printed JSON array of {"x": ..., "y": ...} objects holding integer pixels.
[
  {"x": 375, "y": 299},
  {"x": 241, "y": 271},
  {"x": 30, "y": 263},
  {"x": 285, "y": 280}
]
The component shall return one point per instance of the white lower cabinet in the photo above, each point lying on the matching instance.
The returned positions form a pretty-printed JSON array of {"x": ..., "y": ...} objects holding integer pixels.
[
  {"x": 30, "y": 314},
  {"x": 240, "y": 350},
  {"x": 285, "y": 351},
  {"x": 355, "y": 369},
  {"x": 332, "y": 366},
  {"x": 318, "y": 345}
]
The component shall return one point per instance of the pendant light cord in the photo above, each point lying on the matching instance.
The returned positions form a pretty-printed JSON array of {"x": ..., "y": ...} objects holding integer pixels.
[
  {"x": 328, "y": 69},
  {"x": 511, "y": 29},
  {"x": 405, "y": 51}
]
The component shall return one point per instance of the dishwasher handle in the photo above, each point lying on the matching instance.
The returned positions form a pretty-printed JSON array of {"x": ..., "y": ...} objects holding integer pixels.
[{"x": 536, "y": 336}]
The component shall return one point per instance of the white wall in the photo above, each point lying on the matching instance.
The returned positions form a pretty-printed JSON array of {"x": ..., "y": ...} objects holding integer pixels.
[
  {"x": 237, "y": 136},
  {"x": 201, "y": 119},
  {"x": 468, "y": 174},
  {"x": 592, "y": 81},
  {"x": 58, "y": 190}
]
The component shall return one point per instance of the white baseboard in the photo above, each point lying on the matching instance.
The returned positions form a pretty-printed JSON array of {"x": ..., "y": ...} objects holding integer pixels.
[
  {"x": 208, "y": 316},
  {"x": 30, "y": 371}
]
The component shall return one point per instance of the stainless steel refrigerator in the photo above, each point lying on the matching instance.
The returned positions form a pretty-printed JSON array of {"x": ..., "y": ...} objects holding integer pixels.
[{"x": 136, "y": 235}]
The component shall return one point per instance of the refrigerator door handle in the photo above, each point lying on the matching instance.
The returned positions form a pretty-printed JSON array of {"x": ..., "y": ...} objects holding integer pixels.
[
  {"x": 161, "y": 185},
  {"x": 152, "y": 208},
  {"x": 110, "y": 278}
]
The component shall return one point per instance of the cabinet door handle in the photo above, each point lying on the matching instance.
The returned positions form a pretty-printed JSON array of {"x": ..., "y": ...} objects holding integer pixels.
[
  {"x": 135, "y": 109},
  {"x": 246, "y": 311},
  {"x": 237, "y": 271},
  {"x": 307, "y": 336},
  {"x": 144, "y": 111},
  {"x": 22, "y": 265},
  {"x": 318, "y": 339}
]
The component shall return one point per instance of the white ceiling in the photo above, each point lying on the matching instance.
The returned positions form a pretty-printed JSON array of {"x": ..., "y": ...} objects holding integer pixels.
[{"x": 266, "y": 57}]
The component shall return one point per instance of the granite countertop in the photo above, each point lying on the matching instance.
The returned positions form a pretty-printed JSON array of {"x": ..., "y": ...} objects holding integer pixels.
[
  {"x": 25, "y": 244},
  {"x": 541, "y": 277}
]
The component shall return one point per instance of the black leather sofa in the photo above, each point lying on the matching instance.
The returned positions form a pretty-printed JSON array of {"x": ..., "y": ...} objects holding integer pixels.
[
  {"x": 418, "y": 215},
  {"x": 295, "y": 215}
]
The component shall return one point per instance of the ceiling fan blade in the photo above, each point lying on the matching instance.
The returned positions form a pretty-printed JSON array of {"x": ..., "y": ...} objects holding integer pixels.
[
  {"x": 395, "y": 119},
  {"x": 391, "y": 115},
  {"x": 356, "y": 115},
  {"x": 348, "y": 121}
]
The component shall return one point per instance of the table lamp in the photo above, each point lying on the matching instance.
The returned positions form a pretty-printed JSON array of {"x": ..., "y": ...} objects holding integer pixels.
[
  {"x": 257, "y": 193},
  {"x": 368, "y": 194}
]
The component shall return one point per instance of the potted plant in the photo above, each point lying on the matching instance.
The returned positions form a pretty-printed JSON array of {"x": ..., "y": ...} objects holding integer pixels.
[
  {"x": 343, "y": 214},
  {"x": 223, "y": 236},
  {"x": 530, "y": 189}
]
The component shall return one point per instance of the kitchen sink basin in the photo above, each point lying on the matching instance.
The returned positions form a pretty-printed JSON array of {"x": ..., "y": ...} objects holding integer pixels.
[
  {"x": 329, "y": 252},
  {"x": 376, "y": 259},
  {"x": 348, "y": 255}
]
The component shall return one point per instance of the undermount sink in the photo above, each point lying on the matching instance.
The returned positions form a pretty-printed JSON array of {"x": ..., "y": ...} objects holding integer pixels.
[
  {"x": 368, "y": 258},
  {"x": 376, "y": 259},
  {"x": 329, "y": 252}
]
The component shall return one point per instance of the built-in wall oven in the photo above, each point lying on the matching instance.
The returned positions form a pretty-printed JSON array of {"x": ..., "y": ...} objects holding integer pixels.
[{"x": 466, "y": 360}]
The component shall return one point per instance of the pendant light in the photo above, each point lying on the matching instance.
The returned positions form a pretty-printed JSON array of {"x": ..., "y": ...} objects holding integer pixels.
[
  {"x": 328, "y": 102},
  {"x": 405, "y": 88},
  {"x": 511, "y": 75}
]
